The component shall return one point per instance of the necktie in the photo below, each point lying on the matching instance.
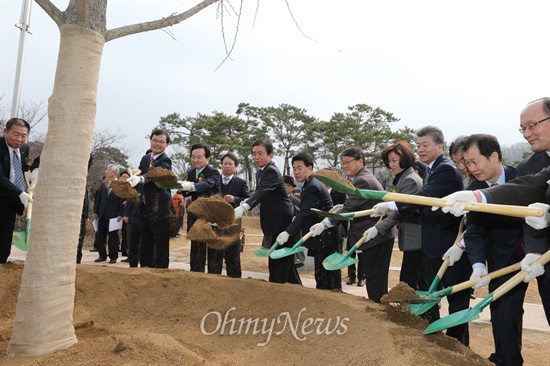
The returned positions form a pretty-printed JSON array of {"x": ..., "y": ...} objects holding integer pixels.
[
  {"x": 494, "y": 184},
  {"x": 258, "y": 177},
  {"x": 427, "y": 175},
  {"x": 18, "y": 173},
  {"x": 225, "y": 181}
]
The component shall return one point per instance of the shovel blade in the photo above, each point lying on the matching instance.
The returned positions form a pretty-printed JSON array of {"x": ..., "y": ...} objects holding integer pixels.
[
  {"x": 335, "y": 263},
  {"x": 263, "y": 252},
  {"x": 19, "y": 239},
  {"x": 331, "y": 215},
  {"x": 340, "y": 187},
  {"x": 420, "y": 306},
  {"x": 285, "y": 252},
  {"x": 168, "y": 185},
  {"x": 460, "y": 317}
]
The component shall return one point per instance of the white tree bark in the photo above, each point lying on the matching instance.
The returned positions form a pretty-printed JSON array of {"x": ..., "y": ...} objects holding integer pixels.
[{"x": 44, "y": 317}]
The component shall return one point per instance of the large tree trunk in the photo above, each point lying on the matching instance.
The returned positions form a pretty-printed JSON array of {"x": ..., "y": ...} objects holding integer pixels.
[{"x": 43, "y": 321}]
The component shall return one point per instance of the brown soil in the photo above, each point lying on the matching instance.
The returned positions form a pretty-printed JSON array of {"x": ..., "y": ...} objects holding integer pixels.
[
  {"x": 154, "y": 317},
  {"x": 124, "y": 190},
  {"x": 159, "y": 174}
]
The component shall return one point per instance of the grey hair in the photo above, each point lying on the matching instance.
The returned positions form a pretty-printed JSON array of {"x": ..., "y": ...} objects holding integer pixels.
[
  {"x": 434, "y": 132},
  {"x": 115, "y": 168}
]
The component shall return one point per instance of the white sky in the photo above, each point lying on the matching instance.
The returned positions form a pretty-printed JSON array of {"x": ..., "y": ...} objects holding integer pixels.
[{"x": 467, "y": 66}]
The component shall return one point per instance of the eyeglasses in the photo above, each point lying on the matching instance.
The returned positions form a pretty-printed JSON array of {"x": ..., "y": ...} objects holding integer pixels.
[
  {"x": 158, "y": 141},
  {"x": 344, "y": 163},
  {"x": 532, "y": 125}
]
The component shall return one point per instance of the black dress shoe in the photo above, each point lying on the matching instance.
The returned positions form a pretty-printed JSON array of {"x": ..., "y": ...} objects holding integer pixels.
[
  {"x": 100, "y": 259},
  {"x": 360, "y": 283},
  {"x": 126, "y": 260},
  {"x": 93, "y": 250},
  {"x": 112, "y": 261},
  {"x": 350, "y": 282}
]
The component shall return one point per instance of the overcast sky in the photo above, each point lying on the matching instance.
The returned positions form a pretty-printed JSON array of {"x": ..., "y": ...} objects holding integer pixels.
[{"x": 465, "y": 66}]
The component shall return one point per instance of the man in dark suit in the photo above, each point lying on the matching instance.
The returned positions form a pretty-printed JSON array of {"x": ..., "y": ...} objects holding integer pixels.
[
  {"x": 313, "y": 195},
  {"x": 276, "y": 210},
  {"x": 154, "y": 249},
  {"x": 202, "y": 181},
  {"x": 535, "y": 127},
  {"x": 108, "y": 206},
  {"x": 375, "y": 255},
  {"x": 438, "y": 231},
  {"x": 494, "y": 242},
  {"x": 234, "y": 190},
  {"x": 14, "y": 162}
]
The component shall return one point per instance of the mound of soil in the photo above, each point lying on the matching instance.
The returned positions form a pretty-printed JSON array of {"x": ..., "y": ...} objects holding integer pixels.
[{"x": 142, "y": 316}]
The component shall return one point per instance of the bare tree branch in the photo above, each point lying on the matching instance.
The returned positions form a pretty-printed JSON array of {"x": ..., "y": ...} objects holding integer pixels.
[
  {"x": 155, "y": 24},
  {"x": 52, "y": 11},
  {"x": 295, "y": 22},
  {"x": 228, "y": 54}
]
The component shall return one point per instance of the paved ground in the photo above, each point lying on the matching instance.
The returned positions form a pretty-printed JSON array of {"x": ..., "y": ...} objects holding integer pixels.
[{"x": 533, "y": 318}]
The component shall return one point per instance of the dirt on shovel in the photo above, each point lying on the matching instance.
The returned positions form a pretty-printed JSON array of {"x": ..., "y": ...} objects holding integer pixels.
[{"x": 123, "y": 189}]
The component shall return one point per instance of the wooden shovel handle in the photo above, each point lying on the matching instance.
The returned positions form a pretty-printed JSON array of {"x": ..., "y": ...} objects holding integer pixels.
[
  {"x": 496, "y": 274},
  {"x": 517, "y": 279},
  {"x": 362, "y": 213},
  {"x": 507, "y": 210}
]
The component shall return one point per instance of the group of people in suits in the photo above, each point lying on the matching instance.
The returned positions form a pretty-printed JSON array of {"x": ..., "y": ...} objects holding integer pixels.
[{"x": 494, "y": 241}]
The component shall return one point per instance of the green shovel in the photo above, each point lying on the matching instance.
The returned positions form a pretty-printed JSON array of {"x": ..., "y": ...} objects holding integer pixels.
[
  {"x": 348, "y": 216},
  {"x": 507, "y": 210},
  {"x": 264, "y": 252},
  {"x": 420, "y": 306},
  {"x": 285, "y": 252},
  {"x": 470, "y": 314},
  {"x": 20, "y": 238}
]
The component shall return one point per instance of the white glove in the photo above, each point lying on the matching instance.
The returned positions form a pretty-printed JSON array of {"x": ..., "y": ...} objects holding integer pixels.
[
  {"x": 283, "y": 237},
  {"x": 539, "y": 222},
  {"x": 528, "y": 264},
  {"x": 370, "y": 233},
  {"x": 25, "y": 198},
  {"x": 381, "y": 209},
  {"x": 454, "y": 253},
  {"x": 477, "y": 274},
  {"x": 239, "y": 212},
  {"x": 455, "y": 208},
  {"x": 185, "y": 185},
  {"x": 318, "y": 229},
  {"x": 33, "y": 177},
  {"x": 134, "y": 180}
]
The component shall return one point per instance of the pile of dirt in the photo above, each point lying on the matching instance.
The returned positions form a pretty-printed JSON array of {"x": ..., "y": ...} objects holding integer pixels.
[
  {"x": 159, "y": 174},
  {"x": 141, "y": 316},
  {"x": 124, "y": 190}
]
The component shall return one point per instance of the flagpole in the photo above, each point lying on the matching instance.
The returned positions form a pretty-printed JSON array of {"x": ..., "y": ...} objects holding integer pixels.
[{"x": 24, "y": 26}]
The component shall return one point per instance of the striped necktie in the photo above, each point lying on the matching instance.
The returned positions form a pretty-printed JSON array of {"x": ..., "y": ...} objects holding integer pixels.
[{"x": 18, "y": 172}]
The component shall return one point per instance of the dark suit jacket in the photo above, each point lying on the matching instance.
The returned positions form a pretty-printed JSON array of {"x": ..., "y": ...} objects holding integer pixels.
[
  {"x": 157, "y": 200},
  {"x": 276, "y": 210},
  {"x": 9, "y": 193},
  {"x": 533, "y": 164},
  {"x": 493, "y": 238},
  {"x": 524, "y": 191},
  {"x": 108, "y": 205},
  {"x": 439, "y": 230},
  {"x": 314, "y": 195},
  {"x": 364, "y": 179},
  {"x": 338, "y": 198},
  {"x": 238, "y": 188},
  {"x": 206, "y": 185}
]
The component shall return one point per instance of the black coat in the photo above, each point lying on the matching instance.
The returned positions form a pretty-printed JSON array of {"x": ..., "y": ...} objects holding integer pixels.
[{"x": 155, "y": 201}]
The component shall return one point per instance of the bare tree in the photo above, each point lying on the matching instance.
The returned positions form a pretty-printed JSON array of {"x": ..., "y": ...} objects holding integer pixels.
[{"x": 44, "y": 316}]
